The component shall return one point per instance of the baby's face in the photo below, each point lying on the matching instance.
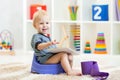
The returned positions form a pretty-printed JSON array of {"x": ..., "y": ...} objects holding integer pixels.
[{"x": 43, "y": 25}]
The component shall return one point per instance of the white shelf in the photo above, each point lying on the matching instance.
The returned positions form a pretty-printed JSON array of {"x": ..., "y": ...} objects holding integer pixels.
[
  {"x": 30, "y": 21},
  {"x": 59, "y": 15},
  {"x": 102, "y": 22},
  {"x": 116, "y": 22},
  {"x": 65, "y": 21}
]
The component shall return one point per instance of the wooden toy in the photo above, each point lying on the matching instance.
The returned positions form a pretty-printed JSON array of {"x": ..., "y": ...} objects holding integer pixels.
[
  {"x": 75, "y": 30},
  {"x": 6, "y": 43},
  {"x": 100, "y": 47},
  {"x": 87, "y": 47},
  {"x": 73, "y": 9},
  {"x": 73, "y": 12},
  {"x": 64, "y": 38},
  {"x": 75, "y": 37}
]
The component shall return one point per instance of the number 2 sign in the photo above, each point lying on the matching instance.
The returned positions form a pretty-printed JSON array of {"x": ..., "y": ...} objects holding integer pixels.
[{"x": 100, "y": 13}]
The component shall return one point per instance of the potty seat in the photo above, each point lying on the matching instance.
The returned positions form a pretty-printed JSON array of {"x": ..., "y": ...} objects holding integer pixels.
[{"x": 46, "y": 68}]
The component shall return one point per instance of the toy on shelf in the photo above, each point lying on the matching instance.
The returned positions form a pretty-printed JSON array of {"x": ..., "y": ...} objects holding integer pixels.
[
  {"x": 73, "y": 12},
  {"x": 73, "y": 8},
  {"x": 36, "y": 7},
  {"x": 87, "y": 47},
  {"x": 100, "y": 12},
  {"x": 6, "y": 42},
  {"x": 68, "y": 38},
  {"x": 100, "y": 47},
  {"x": 65, "y": 38},
  {"x": 75, "y": 29},
  {"x": 117, "y": 6}
]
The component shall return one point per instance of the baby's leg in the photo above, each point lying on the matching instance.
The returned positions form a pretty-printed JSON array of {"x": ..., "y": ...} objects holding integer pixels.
[
  {"x": 70, "y": 57},
  {"x": 55, "y": 59},
  {"x": 64, "y": 60}
]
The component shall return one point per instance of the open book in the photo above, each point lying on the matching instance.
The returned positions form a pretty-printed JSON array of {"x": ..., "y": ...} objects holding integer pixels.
[{"x": 67, "y": 50}]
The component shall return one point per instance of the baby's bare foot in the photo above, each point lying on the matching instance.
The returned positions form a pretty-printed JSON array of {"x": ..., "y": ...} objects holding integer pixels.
[{"x": 74, "y": 73}]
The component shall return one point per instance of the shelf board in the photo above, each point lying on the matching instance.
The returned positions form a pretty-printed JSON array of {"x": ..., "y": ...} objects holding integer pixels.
[
  {"x": 94, "y": 54},
  {"x": 7, "y": 52},
  {"x": 59, "y": 21},
  {"x": 116, "y": 22},
  {"x": 30, "y": 21},
  {"x": 96, "y": 22},
  {"x": 65, "y": 21}
]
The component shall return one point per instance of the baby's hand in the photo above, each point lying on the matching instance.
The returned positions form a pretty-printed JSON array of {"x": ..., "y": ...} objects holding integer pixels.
[{"x": 54, "y": 42}]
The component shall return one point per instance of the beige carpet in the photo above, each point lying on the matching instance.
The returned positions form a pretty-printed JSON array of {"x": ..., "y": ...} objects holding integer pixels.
[{"x": 20, "y": 71}]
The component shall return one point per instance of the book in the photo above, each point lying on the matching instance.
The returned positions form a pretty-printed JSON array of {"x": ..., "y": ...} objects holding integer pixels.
[{"x": 67, "y": 50}]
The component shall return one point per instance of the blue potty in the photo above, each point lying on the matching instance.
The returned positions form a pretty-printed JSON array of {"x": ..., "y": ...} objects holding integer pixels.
[{"x": 46, "y": 68}]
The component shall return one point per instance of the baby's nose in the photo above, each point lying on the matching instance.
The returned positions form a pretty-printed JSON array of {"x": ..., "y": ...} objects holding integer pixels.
[{"x": 45, "y": 24}]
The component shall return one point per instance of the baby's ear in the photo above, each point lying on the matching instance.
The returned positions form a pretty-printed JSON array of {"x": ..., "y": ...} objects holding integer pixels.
[{"x": 35, "y": 26}]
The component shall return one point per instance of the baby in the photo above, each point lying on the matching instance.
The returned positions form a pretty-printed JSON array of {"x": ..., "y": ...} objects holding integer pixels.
[{"x": 41, "y": 42}]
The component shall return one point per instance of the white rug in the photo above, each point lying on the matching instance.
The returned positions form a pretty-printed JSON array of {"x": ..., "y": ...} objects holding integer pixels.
[{"x": 20, "y": 71}]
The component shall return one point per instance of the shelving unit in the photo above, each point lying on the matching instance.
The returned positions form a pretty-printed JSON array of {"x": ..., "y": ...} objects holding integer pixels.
[{"x": 60, "y": 16}]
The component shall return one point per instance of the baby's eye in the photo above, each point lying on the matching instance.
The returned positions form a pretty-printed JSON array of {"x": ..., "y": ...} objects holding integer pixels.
[
  {"x": 47, "y": 22},
  {"x": 41, "y": 23}
]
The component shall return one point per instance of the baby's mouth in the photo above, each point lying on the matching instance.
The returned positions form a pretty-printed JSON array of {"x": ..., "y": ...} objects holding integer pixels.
[{"x": 44, "y": 29}]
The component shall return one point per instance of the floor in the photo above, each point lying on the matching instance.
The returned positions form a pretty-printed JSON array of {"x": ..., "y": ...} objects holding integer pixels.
[
  {"x": 27, "y": 59},
  {"x": 22, "y": 58}
]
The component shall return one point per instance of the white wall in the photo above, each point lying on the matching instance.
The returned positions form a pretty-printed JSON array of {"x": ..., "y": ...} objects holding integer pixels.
[{"x": 11, "y": 18}]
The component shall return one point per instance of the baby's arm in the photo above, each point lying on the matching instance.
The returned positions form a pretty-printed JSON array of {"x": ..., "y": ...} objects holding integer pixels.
[{"x": 45, "y": 45}]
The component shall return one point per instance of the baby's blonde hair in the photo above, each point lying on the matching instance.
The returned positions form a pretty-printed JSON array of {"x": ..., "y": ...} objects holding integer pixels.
[{"x": 37, "y": 16}]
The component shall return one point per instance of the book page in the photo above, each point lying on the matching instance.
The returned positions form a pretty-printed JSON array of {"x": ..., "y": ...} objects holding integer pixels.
[{"x": 67, "y": 50}]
